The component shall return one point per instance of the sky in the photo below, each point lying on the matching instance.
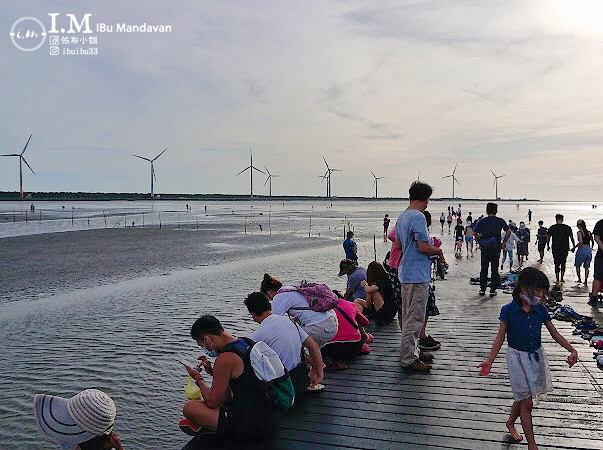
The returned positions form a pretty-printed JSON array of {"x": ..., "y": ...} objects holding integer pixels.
[{"x": 399, "y": 88}]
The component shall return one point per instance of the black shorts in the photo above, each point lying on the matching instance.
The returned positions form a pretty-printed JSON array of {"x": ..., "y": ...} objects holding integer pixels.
[
  {"x": 560, "y": 256},
  {"x": 541, "y": 247},
  {"x": 242, "y": 425},
  {"x": 386, "y": 314},
  {"x": 598, "y": 273}
]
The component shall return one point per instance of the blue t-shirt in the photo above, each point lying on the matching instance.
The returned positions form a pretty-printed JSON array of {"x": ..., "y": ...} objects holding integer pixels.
[
  {"x": 354, "y": 283},
  {"x": 523, "y": 329},
  {"x": 490, "y": 229},
  {"x": 348, "y": 245},
  {"x": 415, "y": 267}
]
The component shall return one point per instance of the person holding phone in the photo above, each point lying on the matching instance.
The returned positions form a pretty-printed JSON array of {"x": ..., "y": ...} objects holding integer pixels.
[{"x": 235, "y": 406}]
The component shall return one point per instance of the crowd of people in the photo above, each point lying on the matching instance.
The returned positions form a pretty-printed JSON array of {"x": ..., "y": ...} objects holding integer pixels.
[{"x": 310, "y": 329}]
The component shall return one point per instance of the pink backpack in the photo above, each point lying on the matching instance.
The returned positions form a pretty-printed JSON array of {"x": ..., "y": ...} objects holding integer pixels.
[{"x": 319, "y": 296}]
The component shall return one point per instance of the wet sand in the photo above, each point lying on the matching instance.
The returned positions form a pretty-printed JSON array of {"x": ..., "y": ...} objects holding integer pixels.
[{"x": 44, "y": 264}]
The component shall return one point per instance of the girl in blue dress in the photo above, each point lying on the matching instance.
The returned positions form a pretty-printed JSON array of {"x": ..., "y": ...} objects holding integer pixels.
[{"x": 521, "y": 322}]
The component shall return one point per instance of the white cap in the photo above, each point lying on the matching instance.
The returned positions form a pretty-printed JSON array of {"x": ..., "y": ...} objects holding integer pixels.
[{"x": 78, "y": 419}]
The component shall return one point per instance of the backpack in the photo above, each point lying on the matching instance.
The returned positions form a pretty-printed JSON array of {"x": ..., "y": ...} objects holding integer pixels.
[
  {"x": 319, "y": 296},
  {"x": 271, "y": 373}
]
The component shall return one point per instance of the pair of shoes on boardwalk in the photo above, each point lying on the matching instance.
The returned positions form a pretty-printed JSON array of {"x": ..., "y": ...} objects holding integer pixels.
[{"x": 483, "y": 292}]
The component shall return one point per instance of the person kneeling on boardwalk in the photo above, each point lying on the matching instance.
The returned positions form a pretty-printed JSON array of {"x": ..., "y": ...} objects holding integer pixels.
[
  {"x": 521, "y": 321},
  {"x": 380, "y": 304},
  {"x": 350, "y": 340},
  {"x": 235, "y": 406},
  {"x": 321, "y": 326},
  {"x": 287, "y": 339}
]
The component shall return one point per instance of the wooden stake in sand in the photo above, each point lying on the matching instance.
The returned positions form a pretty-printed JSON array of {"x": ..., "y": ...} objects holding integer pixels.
[
  {"x": 105, "y": 217},
  {"x": 375, "y": 246}
]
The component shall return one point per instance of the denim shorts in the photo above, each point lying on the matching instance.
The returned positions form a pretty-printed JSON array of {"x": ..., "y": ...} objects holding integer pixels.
[{"x": 584, "y": 256}]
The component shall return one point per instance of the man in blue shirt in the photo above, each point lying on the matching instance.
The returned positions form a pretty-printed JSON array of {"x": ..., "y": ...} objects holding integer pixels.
[
  {"x": 355, "y": 276},
  {"x": 488, "y": 231},
  {"x": 414, "y": 273},
  {"x": 350, "y": 247}
]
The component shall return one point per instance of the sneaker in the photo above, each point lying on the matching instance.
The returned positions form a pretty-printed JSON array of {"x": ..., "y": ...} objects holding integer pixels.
[
  {"x": 369, "y": 338},
  {"x": 365, "y": 349},
  {"x": 492, "y": 293},
  {"x": 482, "y": 292},
  {"x": 428, "y": 343},
  {"x": 425, "y": 357},
  {"x": 418, "y": 366},
  {"x": 188, "y": 427}
]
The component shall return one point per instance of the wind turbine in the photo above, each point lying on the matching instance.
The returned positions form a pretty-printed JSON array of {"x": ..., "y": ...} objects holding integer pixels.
[
  {"x": 21, "y": 161},
  {"x": 327, "y": 176},
  {"x": 251, "y": 168},
  {"x": 495, "y": 182},
  {"x": 454, "y": 180},
  {"x": 270, "y": 176},
  {"x": 153, "y": 177},
  {"x": 375, "y": 182}
]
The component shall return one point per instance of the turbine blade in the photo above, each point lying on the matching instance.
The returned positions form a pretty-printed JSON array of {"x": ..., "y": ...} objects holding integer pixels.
[
  {"x": 372, "y": 173},
  {"x": 502, "y": 176},
  {"x": 336, "y": 170},
  {"x": 141, "y": 157},
  {"x": 243, "y": 170},
  {"x": 267, "y": 171},
  {"x": 11, "y": 154},
  {"x": 261, "y": 171},
  {"x": 325, "y": 162},
  {"x": 454, "y": 171},
  {"x": 25, "y": 148},
  {"x": 266, "y": 180},
  {"x": 457, "y": 181},
  {"x": 493, "y": 173},
  {"x": 27, "y": 165},
  {"x": 159, "y": 154},
  {"x": 447, "y": 176},
  {"x": 494, "y": 182},
  {"x": 374, "y": 181},
  {"x": 153, "y": 169}
]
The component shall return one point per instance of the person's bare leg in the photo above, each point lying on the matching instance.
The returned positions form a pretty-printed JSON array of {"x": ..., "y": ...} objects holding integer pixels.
[
  {"x": 376, "y": 300},
  {"x": 422, "y": 334},
  {"x": 525, "y": 414},
  {"x": 515, "y": 410},
  {"x": 200, "y": 414},
  {"x": 363, "y": 334},
  {"x": 578, "y": 274},
  {"x": 586, "y": 271},
  {"x": 596, "y": 287},
  {"x": 361, "y": 304}
]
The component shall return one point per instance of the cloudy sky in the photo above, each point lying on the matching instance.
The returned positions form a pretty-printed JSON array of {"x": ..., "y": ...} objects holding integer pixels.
[{"x": 395, "y": 87}]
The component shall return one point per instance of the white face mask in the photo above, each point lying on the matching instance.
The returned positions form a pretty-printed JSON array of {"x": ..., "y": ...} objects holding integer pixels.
[{"x": 531, "y": 300}]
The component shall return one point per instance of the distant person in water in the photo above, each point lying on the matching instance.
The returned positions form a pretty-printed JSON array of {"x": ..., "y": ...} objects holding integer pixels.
[
  {"x": 560, "y": 234},
  {"x": 385, "y": 227},
  {"x": 541, "y": 239},
  {"x": 530, "y": 215},
  {"x": 584, "y": 253},
  {"x": 350, "y": 247}
]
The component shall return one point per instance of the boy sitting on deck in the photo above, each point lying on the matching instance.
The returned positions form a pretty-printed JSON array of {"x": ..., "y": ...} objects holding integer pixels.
[
  {"x": 235, "y": 406},
  {"x": 286, "y": 339}
]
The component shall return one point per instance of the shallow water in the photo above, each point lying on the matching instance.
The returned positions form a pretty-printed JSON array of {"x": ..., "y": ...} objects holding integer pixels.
[{"x": 123, "y": 337}]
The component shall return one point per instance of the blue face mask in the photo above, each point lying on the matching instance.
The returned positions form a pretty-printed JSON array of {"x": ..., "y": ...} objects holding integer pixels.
[{"x": 211, "y": 353}]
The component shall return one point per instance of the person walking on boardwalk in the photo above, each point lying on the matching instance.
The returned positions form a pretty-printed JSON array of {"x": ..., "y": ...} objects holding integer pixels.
[
  {"x": 521, "y": 321},
  {"x": 598, "y": 273},
  {"x": 414, "y": 273},
  {"x": 442, "y": 221},
  {"x": 385, "y": 227},
  {"x": 449, "y": 220},
  {"x": 584, "y": 253},
  {"x": 541, "y": 239},
  {"x": 488, "y": 231},
  {"x": 350, "y": 247},
  {"x": 523, "y": 233},
  {"x": 561, "y": 234}
]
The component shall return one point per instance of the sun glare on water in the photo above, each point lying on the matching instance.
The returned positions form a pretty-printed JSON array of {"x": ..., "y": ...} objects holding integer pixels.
[{"x": 586, "y": 15}]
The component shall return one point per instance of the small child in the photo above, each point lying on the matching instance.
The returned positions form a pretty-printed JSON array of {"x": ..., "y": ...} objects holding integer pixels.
[
  {"x": 508, "y": 250},
  {"x": 521, "y": 320}
]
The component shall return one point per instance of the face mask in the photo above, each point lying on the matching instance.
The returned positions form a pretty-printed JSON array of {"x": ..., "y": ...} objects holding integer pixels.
[
  {"x": 531, "y": 300},
  {"x": 211, "y": 353}
]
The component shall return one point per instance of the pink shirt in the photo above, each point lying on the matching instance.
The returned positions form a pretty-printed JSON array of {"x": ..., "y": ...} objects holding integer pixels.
[
  {"x": 346, "y": 331},
  {"x": 395, "y": 254}
]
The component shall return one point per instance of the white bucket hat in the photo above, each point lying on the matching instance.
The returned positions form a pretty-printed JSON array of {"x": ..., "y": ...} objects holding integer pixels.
[{"x": 75, "y": 420}]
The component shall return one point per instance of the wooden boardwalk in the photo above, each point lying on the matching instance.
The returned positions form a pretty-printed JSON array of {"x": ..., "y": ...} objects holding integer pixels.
[{"x": 377, "y": 405}]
